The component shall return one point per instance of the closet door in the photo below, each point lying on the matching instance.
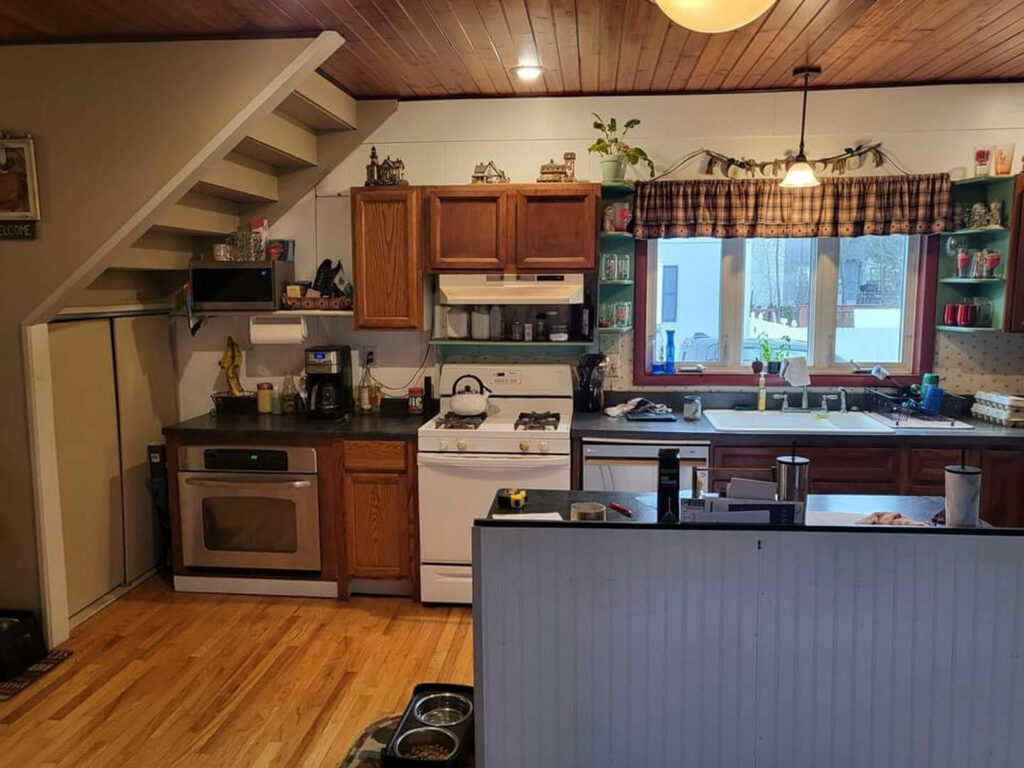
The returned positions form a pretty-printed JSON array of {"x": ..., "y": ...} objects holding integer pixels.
[
  {"x": 85, "y": 411},
  {"x": 147, "y": 402}
]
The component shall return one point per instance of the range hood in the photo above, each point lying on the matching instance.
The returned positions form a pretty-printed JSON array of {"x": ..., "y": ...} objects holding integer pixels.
[{"x": 510, "y": 289}]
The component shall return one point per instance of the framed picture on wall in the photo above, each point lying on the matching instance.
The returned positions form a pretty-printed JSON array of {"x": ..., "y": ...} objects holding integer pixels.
[{"x": 19, "y": 188}]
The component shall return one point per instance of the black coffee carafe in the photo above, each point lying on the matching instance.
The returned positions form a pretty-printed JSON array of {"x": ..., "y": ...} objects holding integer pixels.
[{"x": 590, "y": 371}]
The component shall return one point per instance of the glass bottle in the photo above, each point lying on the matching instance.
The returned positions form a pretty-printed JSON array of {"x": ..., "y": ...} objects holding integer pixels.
[
  {"x": 670, "y": 351},
  {"x": 289, "y": 395},
  {"x": 364, "y": 401},
  {"x": 658, "y": 355}
]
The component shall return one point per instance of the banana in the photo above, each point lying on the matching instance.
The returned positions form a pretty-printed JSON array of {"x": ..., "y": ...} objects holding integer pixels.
[{"x": 231, "y": 363}]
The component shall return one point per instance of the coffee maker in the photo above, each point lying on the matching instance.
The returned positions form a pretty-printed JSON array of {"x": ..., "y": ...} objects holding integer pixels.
[{"x": 329, "y": 382}]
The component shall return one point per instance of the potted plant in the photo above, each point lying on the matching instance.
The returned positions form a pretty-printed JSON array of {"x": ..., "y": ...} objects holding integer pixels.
[
  {"x": 772, "y": 354},
  {"x": 617, "y": 153}
]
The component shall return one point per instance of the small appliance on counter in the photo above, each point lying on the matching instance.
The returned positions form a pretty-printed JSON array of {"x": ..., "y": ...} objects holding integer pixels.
[
  {"x": 590, "y": 371},
  {"x": 329, "y": 382},
  {"x": 239, "y": 285},
  {"x": 436, "y": 728}
]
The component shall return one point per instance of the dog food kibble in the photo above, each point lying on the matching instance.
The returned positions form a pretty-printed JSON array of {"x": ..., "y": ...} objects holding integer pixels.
[{"x": 429, "y": 751}]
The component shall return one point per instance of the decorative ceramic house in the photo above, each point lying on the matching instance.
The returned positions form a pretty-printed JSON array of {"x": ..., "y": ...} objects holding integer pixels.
[{"x": 488, "y": 173}]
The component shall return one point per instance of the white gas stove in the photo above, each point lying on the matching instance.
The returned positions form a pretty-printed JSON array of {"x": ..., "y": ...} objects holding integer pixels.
[{"x": 522, "y": 441}]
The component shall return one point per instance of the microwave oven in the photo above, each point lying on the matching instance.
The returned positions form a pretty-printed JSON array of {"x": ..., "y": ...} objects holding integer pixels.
[{"x": 239, "y": 285}]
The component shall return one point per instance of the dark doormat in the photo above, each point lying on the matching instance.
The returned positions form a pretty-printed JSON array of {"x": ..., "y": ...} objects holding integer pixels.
[
  {"x": 365, "y": 752},
  {"x": 20, "y": 682}
]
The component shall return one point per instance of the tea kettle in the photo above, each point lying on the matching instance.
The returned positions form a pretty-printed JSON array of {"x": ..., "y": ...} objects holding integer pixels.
[{"x": 467, "y": 402}]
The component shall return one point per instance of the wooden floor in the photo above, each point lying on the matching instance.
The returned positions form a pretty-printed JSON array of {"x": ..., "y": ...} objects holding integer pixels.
[{"x": 170, "y": 679}]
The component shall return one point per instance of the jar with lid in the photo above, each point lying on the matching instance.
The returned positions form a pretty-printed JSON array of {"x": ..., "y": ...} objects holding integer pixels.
[
  {"x": 415, "y": 399},
  {"x": 497, "y": 330},
  {"x": 265, "y": 397},
  {"x": 623, "y": 314},
  {"x": 517, "y": 331},
  {"x": 540, "y": 327},
  {"x": 623, "y": 267},
  {"x": 480, "y": 323}
]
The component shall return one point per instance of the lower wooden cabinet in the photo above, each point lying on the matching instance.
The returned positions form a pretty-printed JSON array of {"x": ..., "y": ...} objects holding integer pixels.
[
  {"x": 913, "y": 471},
  {"x": 379, "y": 509},
  {"x": 376, "y": 508},
  {"x": 1002, "y": 489}
]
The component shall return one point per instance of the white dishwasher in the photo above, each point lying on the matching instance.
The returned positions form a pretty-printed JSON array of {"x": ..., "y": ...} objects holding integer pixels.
[{"x": 632, "y": 465}]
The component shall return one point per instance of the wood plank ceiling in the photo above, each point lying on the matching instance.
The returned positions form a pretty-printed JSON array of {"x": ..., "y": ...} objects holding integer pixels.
[{"x": 442, "y": 48}]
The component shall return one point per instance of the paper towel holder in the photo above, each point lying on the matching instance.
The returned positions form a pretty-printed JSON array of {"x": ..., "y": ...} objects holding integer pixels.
[{"x": 275, "y": 329}]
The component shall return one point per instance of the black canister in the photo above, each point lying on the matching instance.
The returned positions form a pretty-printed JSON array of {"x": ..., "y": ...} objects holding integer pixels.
[{"x": 668, "y": 485}]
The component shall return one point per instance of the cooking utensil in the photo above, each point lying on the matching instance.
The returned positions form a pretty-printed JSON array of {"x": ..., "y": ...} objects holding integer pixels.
[{"x": 467, "y": 402}]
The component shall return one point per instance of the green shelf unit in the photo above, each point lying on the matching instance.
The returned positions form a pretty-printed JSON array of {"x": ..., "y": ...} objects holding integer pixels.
[
  {"x": 447, "y": 349},
  {"x": 956, "y": 290},
  {"x": 616, "y": 245},
  {"x": 982, "y": 181}
]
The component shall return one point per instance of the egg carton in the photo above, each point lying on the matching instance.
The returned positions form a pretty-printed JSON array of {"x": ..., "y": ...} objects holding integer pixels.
[
  {"x": 1012, "y": 403},
  {"x": 996, "y": 415}
]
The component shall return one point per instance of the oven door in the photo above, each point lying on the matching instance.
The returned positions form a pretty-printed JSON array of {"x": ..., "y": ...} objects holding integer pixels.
[
  {"x": 243, "y": 520},
  {"x": 455, "y": 490}
]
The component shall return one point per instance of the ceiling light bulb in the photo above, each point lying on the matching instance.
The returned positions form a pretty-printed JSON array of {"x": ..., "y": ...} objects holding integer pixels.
[
  {"x": 713, "y": 15},
  {"x": 800, "y": 176},
  {"x": 528, "y": 71}
]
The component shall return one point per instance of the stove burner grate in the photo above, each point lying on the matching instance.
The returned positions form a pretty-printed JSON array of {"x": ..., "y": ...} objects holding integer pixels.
[
  {"x": 455, "y": 421},
  {"x": 533, "y": 420}
]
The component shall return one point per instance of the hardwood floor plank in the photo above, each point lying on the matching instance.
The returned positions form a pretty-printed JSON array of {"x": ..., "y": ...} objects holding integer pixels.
[{"x": 171, "y": 679}]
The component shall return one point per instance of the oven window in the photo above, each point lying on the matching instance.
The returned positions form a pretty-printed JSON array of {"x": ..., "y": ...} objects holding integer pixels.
[{"x": 250, "y": 524}]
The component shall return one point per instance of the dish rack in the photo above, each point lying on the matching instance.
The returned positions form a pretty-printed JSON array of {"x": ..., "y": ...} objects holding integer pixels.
[
  {"x": 996, "y": 408},
  {"x": 905, "y": 404}
]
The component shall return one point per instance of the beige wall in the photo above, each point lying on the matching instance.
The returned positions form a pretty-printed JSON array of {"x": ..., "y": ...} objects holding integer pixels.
[{"x": 115, "y": 125}]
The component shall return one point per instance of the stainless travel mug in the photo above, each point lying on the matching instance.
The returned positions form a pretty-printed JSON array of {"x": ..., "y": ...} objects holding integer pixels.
[{"x": 791, "y": 476}]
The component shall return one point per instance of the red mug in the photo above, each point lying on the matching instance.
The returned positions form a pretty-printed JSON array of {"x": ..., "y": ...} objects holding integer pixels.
[
  {"x": 966, "y": 315},
  {"x": 949, "y": 314}
]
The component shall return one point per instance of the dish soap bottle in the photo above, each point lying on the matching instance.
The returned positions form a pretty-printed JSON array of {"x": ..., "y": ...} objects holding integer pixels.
[{"x": 762, "y": 392}]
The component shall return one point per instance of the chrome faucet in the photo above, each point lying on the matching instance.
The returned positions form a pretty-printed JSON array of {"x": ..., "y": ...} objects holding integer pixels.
[
  {"x": 784, "y": 397},
  {"x": 825, "y": 399},
  {"x": 843, "y": 399}
]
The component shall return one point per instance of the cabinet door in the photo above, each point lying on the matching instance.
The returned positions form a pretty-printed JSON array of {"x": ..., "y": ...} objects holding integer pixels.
[
  {"x": 1002, "y": 488},
  {"x": 833, "y": 470},
  {"x": 1014, "y": 313},
  {"x": 926, "y": 469},
  {"x": 386, "y": 258},
  {"x": 377, "y": 524},
  {"x": 469, "y": 229},
  {"x": 556, "y": 228}
]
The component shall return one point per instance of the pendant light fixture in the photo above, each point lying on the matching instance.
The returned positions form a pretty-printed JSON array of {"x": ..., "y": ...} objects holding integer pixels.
[
  {"x": 800, "y": 174},
  {"x": 713, "y": 15}
]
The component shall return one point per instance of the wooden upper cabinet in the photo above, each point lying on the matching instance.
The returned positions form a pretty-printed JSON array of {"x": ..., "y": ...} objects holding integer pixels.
[
  {"x": 469, "y": 229},
  {"x": 556, "y": 227},
  {"x": 386, "y": 240}
]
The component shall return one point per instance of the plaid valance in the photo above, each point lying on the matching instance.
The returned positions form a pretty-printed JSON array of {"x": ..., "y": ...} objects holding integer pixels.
[{"x": 840, "y": 207}]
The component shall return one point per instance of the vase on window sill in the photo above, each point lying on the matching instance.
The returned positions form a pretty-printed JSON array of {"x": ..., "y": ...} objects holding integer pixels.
[{"x": 774, "y": 366}]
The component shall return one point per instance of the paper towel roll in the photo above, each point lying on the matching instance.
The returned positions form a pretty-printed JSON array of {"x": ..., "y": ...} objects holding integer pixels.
[{"x": 277, "y": 330}]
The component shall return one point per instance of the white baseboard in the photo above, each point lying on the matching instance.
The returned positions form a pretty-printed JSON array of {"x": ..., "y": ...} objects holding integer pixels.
[{"x": 240, "y": 586}]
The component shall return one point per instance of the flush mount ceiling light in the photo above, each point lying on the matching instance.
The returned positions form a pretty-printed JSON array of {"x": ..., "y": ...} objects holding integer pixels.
[
  {"x": 801, "y": 173},
  {"x": 713, "y": 15},
  {"x": 528, "y": 71}
]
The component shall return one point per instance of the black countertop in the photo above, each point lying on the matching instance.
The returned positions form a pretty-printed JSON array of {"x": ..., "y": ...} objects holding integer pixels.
[
  {"x": 597, "y": 425},
  {"x": 832, "y": 512},
  {"x": 395, "y": 425}
]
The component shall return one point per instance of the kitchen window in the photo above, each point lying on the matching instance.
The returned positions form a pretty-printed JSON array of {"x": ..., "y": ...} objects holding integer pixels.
[{"x": 841, "y": 302}]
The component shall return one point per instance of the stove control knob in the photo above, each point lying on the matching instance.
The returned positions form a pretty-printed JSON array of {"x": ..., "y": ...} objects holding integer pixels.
[
  {"x": 543, "y": 446},
  {"x": 524, "y": 446},
  {"x": 442, "y": 445},
  {"x": 461, "y": 445}
]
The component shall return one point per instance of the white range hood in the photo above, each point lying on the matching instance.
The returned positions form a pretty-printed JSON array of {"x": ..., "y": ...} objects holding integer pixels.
[{"x": 510, "y": 289}]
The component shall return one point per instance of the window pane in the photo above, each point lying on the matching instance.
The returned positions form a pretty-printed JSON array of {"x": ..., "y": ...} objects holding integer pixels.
[
  {"x": 870, "y": 307},
  {"x": 689, "y": 285},
  {"x": 778, "y": 281}
]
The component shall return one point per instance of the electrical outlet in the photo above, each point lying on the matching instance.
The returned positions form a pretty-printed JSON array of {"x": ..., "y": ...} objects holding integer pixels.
[{"x": 367, "y": 351}]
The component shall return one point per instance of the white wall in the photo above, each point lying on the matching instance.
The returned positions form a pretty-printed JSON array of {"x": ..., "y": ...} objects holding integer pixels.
[{"x": 930, "y": 129}]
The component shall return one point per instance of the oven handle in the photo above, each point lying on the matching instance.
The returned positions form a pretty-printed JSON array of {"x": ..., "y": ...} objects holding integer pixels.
[
  {"x": 200, "y": 483},
  {"x": 490, "y": 462}
]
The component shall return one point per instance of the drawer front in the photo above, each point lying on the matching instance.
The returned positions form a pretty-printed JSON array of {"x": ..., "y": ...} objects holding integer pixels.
[{"x": 375, "y": 455}]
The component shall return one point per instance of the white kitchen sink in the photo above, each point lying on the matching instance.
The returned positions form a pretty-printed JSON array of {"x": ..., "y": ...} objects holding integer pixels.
[{"x": 777, "y": 421}]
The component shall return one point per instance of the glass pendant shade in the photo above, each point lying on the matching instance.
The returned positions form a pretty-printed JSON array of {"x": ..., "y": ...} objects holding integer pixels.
[
  {"x": 713, "y": 15},
  {"x": 799, "y": 176}
]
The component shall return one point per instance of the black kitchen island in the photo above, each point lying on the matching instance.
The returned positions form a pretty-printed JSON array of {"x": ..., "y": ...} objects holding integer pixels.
[{"x": 626, "y": 642}]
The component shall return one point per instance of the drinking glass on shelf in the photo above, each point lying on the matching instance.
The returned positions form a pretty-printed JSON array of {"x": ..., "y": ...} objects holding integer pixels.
[
  {"x": 623, "y": 314},
  {"x": 610, "y": 267},
  {"x": 624, "y": 267}
]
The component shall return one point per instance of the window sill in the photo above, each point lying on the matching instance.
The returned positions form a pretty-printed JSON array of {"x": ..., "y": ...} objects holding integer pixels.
[{"x": 733, "y": 379}]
